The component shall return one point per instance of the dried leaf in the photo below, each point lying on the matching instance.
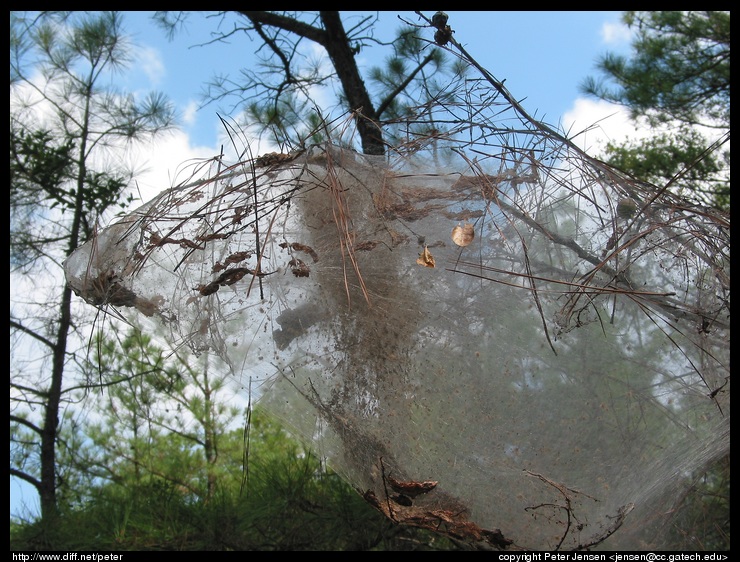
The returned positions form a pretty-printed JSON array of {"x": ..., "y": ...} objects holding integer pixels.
[
  {"x": 463, "y": 235},
  {"x": 299, "y": 268},
  {"x": 411, "y": 488},
  {"x": 426, "y": 258}
]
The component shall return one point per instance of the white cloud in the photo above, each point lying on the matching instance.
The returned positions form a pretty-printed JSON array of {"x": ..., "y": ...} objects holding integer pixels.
[
  {"x": 593, "y": 123},
  {"x": 189, "y": 114},
  {"x": 615, "y": 33},
  {"x": 150, "y": 62},
  {"x": 172, "y": 158},
  {"x": 164, "y": 162},
  {"x": 27, "y": 101}
]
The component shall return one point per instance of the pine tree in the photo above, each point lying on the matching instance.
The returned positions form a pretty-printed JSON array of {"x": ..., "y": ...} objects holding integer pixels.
[
  {"x": 59, "y": 125},
  {"x": 678, "y": 80}
]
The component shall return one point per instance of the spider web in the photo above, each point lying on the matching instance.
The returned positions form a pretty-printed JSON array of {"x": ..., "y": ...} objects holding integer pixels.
[{"x": 487, "y": 332}]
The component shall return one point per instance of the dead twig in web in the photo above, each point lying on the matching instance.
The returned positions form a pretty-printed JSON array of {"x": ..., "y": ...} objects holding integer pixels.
[{"x": 341, "y": 214}]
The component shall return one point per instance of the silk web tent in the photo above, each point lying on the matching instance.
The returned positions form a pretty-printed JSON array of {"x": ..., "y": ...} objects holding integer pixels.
[{"x": 487, "y": 332}]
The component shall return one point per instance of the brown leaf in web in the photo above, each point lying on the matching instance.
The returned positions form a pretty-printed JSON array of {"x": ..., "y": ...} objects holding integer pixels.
[
  {"x": 299, "y": 268},
  {"x": 426, "y": 258},
  {"x": 411, "y": 488},
  {"x": 463, "y": 235}
]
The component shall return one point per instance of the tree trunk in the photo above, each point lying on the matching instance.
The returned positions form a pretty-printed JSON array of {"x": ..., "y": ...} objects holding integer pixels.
[
  {"x": 47, "y": 484},
  {"x": 343, "y": 59},
  {"x": 334, "y": 39}
]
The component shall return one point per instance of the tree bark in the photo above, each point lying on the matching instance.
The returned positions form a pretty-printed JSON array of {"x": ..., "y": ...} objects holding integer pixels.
[
  {"x": 340, "y": 52},
  {"x": 333, "y": 38}
]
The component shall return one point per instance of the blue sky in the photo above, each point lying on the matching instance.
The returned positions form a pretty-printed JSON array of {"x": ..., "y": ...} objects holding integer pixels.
[{"x": 543, "y": 56}]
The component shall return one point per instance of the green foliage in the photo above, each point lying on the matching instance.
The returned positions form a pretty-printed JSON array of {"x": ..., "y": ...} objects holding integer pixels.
[
  {"x": 158, "y": 415},
  {"x": 663, "y": 159},
  {"x": 76, "y": 54},
  {"x": 427, "y": 77},
  {"x": 40, "y": 164},
  {"x": 678, "y": 75},
  {"x": 135, "y": 476},
  {"x": 290, "y": 501},
  {"x": 287, "y": 120},
  {"x": 680, "y": 69},
  {"x": 38, "y": 161},
  {"x": 704, "y": 520}
]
